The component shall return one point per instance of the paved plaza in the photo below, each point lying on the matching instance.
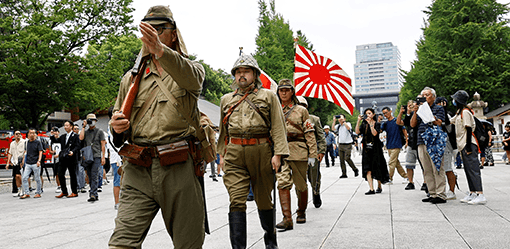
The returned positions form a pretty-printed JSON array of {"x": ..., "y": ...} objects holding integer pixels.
[{"x": 396, "y": 218}]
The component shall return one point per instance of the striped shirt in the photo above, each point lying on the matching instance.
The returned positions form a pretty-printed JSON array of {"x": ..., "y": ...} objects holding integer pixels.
[{"x": 438, "y": 112}]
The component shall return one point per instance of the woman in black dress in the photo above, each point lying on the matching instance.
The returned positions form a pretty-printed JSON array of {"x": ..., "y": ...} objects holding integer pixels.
[{"x": 373, "y": 162}]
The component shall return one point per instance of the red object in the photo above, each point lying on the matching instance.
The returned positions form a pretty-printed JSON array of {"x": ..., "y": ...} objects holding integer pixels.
[
  {"x": 319, "y": 77},
  {"x": 267, "y": 82},
  {"x": 147, "y": 71}
]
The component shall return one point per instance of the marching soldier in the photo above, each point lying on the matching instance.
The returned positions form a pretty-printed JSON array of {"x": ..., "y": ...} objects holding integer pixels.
[
  {"x": 314, "y": 173},
  {"x": 160, "y": 172},
  {"x": 303, "y": 154},
  {"x": 251, "y": 124}
]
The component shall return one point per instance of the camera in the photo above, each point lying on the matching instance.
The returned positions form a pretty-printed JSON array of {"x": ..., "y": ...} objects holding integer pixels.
[
  {"x": 405, "y": 108},
  {"x": 421, "y": 100},
  {"x": 364, "y": 116},
  {"x": 337, "y": 116},
  {"x": 89, "y": 121}
]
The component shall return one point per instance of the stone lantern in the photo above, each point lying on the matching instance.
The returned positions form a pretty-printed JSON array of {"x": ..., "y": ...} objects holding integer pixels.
[{"x": 477, "y": 105}]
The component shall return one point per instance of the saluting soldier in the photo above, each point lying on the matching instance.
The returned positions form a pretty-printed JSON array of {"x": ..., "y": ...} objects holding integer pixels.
[
  {"x": 153, "y": 180},
  {"x": 303, "y": 153},
  {"x": 314, "y": 173},
  {"x": 251, "y": 123}
]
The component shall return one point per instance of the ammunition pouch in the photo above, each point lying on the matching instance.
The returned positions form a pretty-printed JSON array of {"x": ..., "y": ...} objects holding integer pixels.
[{"x": 168, "y": 153}]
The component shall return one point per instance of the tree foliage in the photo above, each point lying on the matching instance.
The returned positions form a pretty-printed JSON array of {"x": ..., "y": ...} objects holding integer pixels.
[
  {"x": 107, "y": 63},
  {"x": 41, "y": 70},
  {"x": 465, "y": 45},
  {"x": 275, "y": 55},
  {"x": 216, "y": 83}
]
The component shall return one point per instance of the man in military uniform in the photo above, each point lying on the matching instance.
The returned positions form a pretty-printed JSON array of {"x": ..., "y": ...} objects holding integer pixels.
[
  {"x": 152, "y": 182},
  {"x": 314, "y": 173},
  {"x": 251, "y": 123},
  {"x": 303, "y": 154}
]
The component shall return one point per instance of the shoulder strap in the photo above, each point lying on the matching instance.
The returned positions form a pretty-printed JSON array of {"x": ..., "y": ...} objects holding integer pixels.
[
  {"x": 287, "y": 114},
  {"x": 145, "y": 107},
  {"x": 199, "y": 132},
  {"x": 113, "y": 146},
  {"x": 258, "y": 111}
]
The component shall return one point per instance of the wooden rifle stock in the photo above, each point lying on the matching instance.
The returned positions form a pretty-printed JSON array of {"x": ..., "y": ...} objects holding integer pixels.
[{"x": 136, "y": 76}]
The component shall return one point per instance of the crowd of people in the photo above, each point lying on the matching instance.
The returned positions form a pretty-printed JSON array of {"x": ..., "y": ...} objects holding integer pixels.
[
  {"x": 266, "y": 142},
  {"x": 85, "y": 156}
]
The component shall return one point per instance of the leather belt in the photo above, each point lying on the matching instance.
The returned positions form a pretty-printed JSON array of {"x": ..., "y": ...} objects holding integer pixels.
[
  {"x": 296, "y": 139},
  {"x": 249, "y": 141}
]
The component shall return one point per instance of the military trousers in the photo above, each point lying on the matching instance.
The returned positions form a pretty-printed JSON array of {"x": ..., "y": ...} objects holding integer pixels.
[
  {"x": 293, "y": 172},
  {"x": 245, "y": 164},
  {"x": 175, "y": 190},
  {"x": 314, "y": 176}
]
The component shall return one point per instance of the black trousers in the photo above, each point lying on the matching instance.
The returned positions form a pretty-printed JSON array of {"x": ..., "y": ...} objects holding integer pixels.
[
  {"x": 65, "y": 164},
  {"x": 331, "y": 153}
]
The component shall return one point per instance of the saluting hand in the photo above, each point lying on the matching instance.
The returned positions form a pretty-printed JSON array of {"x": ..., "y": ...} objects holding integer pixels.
[
  {"x": 119, "y": 122},
  {"x": 151, "y": 40}
]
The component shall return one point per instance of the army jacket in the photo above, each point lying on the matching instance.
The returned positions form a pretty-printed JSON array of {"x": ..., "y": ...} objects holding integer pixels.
[
  {"x": 300, "y": 151},
  {"x": 162, "y": 121},
  {"x": 319, "y": 134},
  {"x": 245, "y": 121}
]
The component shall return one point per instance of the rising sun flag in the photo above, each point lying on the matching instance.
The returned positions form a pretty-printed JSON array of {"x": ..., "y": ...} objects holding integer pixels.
[{"x": 319, "y": 77}]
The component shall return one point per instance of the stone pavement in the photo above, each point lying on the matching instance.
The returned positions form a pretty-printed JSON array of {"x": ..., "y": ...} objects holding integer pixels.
[{"x": 396, "y": 218}]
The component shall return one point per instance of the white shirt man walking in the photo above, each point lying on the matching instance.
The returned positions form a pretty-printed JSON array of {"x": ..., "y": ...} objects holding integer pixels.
[{"x": 343, "y": 129}]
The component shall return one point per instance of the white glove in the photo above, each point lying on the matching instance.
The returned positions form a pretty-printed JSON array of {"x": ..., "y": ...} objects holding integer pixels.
[{"x": 311, "y": 161}]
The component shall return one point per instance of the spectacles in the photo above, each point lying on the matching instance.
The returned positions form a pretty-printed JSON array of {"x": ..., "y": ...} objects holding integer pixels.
[
  {"x": 17, "y": 133},
  {"x": 160, "y": 29}
]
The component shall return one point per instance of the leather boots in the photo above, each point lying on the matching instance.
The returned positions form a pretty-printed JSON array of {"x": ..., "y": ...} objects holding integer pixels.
[
  {"x": 266, "y": 220},
  {"x": 237, "y": 224},
  {"x": 302, "y": 203},
  {"x": 286, "y": 223}
]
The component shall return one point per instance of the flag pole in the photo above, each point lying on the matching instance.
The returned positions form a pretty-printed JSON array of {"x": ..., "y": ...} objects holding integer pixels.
[{"x": 294, "y": 63}]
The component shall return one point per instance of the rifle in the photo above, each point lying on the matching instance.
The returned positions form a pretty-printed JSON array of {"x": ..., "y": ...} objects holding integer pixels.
[{"x": 136, "y": 76}]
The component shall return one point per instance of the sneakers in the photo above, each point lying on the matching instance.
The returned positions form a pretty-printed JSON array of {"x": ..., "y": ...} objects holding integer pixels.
[
  {"x": 424, "y": 188},
  {"x": 343, "y": 176},
  {"x": 378, "y": 190},
  {"x": 370, "y": 192},
  {"x": 450, "y": 195},
  {"x": 100, "y": 189},
  {"x": 116, "y": 206},
  {"x": 83, "y": 190},
  {"x": 15, "y": 194},
  {"x": 468, "y": 198},
  {"x": 405, "y": 181},
  {"x": 93, "y": 199},
  {"x": 58, "y": 190},
  {"x": 389, "y": 183},
  {"x": 478, "y": 200},
  {"x": 356, "y": 173},
  {"x": 410, "y": 186}
]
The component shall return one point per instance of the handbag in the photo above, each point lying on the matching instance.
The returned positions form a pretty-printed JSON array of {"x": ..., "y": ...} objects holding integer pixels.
[{"x": 87, "y": 155}]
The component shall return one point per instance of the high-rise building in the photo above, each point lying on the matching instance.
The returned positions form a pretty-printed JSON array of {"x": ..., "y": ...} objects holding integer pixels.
[{"x": 377, "y": 78}]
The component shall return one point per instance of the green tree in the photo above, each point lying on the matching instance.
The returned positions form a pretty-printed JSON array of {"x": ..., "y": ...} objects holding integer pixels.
[
  {"x": 107, "y": 63},
  {"x": 216, "y": 84},
  {"x": 41, "y": 70},
  {"x": 275, "y": 55},
  {"x": 465, "y": 45}
]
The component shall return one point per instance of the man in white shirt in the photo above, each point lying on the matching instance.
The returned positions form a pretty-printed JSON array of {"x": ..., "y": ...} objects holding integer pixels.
[
  {"x": 343, "y": 130},
  {"x": 15, "y": 157}
]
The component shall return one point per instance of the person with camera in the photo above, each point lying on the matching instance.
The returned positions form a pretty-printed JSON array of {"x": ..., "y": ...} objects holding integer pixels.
[
  {"x": 95, "y": 138},
  {"x": 330, "y": 146},
  {"x": 70, "y": 145},
  {"x": 345, "y": 141},
  {"x": 435, "y": 179},
  {"x": 372, "y": 161}
]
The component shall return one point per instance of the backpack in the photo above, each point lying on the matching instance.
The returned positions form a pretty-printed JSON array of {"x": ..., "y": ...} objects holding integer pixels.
[{"x": 481, "y": 135}]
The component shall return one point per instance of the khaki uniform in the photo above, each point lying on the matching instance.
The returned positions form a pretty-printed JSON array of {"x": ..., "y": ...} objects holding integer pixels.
[
  {"x": 173, "y": 188},
  {"x": 314, "y": 174},
  {"x": 251, "y": 163},
  {"x": 302, "y": 145}
]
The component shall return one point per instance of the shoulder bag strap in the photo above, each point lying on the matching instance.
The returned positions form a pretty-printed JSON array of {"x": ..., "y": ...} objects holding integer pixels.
[
  {"x": 258, "y": 111},
  {"x": 145, "y": 107},
  {"x": 199, "y": 132}
]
